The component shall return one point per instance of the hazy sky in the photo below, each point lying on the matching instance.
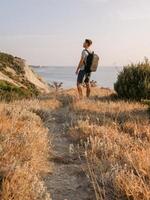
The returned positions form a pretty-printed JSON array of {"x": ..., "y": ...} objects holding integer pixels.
[{"x": 51, "y": 32}]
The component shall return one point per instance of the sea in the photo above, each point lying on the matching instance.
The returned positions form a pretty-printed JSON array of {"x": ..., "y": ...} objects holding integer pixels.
[{"x": 104, "y": 76}]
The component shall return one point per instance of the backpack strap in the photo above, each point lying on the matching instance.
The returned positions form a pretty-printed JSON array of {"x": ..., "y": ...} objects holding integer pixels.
[{"x": 88, "y": 51}]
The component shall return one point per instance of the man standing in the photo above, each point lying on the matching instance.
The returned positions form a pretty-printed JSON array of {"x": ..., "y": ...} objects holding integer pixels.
[{"x": 83, "y": 76}]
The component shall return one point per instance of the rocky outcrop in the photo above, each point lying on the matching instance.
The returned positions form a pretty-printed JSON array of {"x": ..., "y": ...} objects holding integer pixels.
[{"x": 16, "y": 71}]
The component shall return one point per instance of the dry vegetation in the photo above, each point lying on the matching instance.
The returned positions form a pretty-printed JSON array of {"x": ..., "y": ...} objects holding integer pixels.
[
  {"x": 25, "y": 148},
  {"x": 112, "y": 136},
  {"x": 115, "y": 136}
]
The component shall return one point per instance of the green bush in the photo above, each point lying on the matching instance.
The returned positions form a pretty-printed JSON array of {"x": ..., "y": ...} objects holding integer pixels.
[
  {"x": 134, "y": 81},
  {"x": 9, "y": 92}
]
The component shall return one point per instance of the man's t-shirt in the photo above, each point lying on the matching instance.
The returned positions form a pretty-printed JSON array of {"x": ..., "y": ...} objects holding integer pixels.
[{"x": 84, "y": 55}]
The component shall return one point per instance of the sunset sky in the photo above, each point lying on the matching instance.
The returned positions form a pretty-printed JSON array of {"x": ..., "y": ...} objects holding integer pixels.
[{"x": 51, "y": 32}]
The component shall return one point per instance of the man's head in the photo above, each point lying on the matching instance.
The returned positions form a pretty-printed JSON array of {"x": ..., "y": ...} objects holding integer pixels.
[{"x": 87, "y": 43}]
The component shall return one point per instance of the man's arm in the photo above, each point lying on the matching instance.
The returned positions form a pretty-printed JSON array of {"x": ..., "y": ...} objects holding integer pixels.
[{"x": 80, "y": 65}]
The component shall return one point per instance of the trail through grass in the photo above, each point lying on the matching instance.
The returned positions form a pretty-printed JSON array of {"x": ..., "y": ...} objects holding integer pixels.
[
  {"x": 68, "y": 181},
  {"x": 63, "y": 148},
  {"x": 101, "y": 148}
]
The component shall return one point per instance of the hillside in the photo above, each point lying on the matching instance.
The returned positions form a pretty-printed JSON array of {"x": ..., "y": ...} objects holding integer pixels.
[{"x": 16, "y": 76}]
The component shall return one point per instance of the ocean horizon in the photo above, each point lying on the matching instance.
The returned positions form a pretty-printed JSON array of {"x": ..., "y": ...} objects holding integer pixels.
[{"x": 104, "y": 76}]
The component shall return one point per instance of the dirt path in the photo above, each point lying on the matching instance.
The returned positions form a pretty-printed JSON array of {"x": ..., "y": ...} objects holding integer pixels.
[{"x": 68, "y": 181}]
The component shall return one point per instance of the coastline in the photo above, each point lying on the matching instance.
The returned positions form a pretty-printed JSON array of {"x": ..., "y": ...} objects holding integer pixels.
[{"x": 105, "y": 76}]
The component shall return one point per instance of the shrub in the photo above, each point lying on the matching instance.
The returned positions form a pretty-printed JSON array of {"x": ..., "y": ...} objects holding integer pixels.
[
  {"x": 10, "y": 92},
  {"x": 134, "y": 81}
]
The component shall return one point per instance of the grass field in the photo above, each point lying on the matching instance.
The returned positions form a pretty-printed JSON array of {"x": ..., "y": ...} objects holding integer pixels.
[
  {"x": 113, "y": 137},
  {"x": 110, "y": 136},
  {"x": 25, "y": 148}
]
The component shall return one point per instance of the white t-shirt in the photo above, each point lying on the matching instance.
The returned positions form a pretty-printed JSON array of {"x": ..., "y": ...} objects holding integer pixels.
[{"x": 84, "y": 55}]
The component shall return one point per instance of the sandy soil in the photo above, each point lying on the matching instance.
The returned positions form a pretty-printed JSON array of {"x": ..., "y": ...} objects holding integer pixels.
[{"x": 33, "y": 78}]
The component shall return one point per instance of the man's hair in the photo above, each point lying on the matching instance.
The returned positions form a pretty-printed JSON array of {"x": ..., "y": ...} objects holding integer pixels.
[{"x": 88, "y": 41}]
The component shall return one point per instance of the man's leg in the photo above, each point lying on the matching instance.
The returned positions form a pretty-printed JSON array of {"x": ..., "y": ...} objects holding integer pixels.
[
  {"x": 88, "y": 90},
  {"x": 79, "y": 83},
  {"x": 87, "y": 82},
  {"x": 80, "y": 90}
]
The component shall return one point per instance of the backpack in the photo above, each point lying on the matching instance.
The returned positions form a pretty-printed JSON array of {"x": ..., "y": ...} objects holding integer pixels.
[{"x": 91, "y": 63}]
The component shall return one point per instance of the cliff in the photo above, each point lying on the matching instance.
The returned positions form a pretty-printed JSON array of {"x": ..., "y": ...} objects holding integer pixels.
[{"x": 16, "y": 75}]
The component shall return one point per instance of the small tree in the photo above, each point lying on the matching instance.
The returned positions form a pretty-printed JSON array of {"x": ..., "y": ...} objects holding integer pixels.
[{"x": 58, "y": 86}]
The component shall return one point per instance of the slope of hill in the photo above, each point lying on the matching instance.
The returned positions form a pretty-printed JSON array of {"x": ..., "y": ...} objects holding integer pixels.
[{"x": 16, "y": 76}]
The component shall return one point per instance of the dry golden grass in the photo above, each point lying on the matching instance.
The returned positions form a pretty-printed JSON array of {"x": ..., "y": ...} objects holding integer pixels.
[
  {"x": 50, "y": 104},
  {"x": 115, "y": 135},
  {"x": 24, "y": 149}
]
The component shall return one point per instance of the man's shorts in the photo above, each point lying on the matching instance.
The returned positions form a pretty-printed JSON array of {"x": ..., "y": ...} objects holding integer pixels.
[{"x": 83, "y": 77}]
